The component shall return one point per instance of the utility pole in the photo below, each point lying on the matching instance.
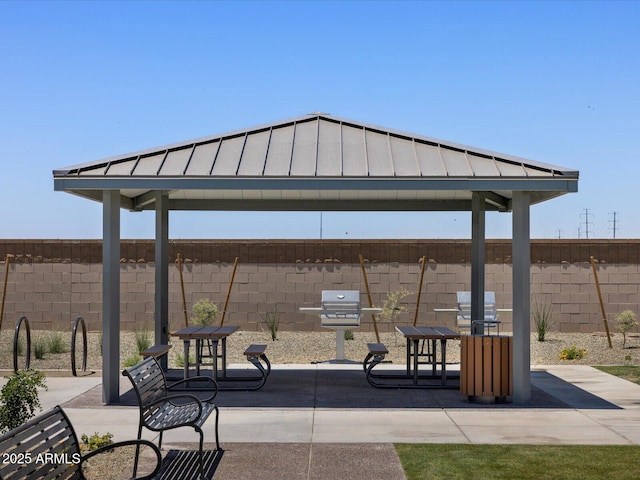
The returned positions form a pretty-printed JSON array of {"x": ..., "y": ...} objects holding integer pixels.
[
  {"x": 615, "y": 223},
  {"x": 587, "y": 222}
]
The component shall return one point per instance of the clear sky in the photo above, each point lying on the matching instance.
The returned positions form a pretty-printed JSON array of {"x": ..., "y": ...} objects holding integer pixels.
[{"x": 556, "y": 82}]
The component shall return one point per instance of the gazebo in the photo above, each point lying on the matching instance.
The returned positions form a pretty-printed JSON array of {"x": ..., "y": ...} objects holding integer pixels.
[{"x": 315, "y": 162}]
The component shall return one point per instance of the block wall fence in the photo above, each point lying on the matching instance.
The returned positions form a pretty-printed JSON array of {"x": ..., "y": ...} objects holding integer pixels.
[{"x": 54, "y": 281}]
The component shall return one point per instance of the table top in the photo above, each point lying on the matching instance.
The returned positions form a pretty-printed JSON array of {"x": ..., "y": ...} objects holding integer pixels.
[
  {"x": 211, "y": 332},
  {"x": 427, "y": 333}
]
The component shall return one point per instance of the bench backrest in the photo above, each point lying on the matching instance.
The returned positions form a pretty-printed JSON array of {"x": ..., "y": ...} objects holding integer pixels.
[
  {"x": 44, "y": 447},
  {"x": 149, "y": 383}
]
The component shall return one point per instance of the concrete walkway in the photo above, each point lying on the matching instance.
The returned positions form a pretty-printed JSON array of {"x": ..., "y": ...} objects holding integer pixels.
[{"x": 325, "y": 421}]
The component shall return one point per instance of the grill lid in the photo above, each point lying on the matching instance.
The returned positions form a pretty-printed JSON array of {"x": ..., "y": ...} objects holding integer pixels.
[{"x": 341, "y": 304}]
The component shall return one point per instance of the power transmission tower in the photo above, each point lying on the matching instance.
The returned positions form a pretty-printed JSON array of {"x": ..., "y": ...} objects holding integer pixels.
[
  {"x": 614, "y": 222},
  {"x": 587, "y": 222}
]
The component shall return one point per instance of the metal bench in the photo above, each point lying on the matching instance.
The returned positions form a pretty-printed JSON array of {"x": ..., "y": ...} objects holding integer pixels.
[
  {"x": 47, "y": 447},
  {"x": 156, "y": 351},
  {"x": 377, "y": 352},
  {"x": 162, "y": 409},
  {"x": 255, "y": 354}
]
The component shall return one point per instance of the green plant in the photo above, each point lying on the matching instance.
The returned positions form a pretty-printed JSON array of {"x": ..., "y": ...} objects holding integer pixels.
[
  {"x": 391, "y": 307},
  {"x": 625, "y": 321},
  {"x": 55, "y": 342},
  {"x": 180, "y": 359},
  {"x": 627, "y": 357},
  {"x": 143, "y": 340},
  {"x": 204, "y": 312},
  {"x": 19, "y": 398},
  {"x": 572, "y": 353},
  {"x": 272, "y": 321},
  {"x": 543, "y": 319},
  {"x": 131, "y": 361},
  {"x": 348, "y": 335},
  {"x": 20, "y": 347},
  {"x": 39, "y": 347},
  {"x": 95, "y": 441}
]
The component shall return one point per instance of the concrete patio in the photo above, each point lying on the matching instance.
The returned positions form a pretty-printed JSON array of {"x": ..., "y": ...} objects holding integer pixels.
[{"x": 325, "y": 421}]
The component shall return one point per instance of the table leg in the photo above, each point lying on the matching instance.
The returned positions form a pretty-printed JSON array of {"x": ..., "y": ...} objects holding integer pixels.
[
  {"x": 186, "y": 358},
  {"x": 443, "y": 345},
  {"x": 415, "y": 361},
  {"x": 215, "y": 360},
  {"x": 434, "y": 363},
  {"x": 224, "y": 358},
  {"x": 408, "y": 357},
  {"x": 198, "y": 355}
]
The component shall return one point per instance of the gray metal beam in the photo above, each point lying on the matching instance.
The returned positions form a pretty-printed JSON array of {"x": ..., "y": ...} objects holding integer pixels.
[
  {"x": 521, "y": 299},
  {"x": 478, "y": 258},
  {"x": 542, "y": 184},
  {"x": 289, "y": 205},
  {"x": 162, "y": 273},
  {"x": 111, "y": 296}
]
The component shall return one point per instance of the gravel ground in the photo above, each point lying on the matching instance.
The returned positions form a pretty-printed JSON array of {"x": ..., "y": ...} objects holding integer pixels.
[{"x": 312, "y": 347}]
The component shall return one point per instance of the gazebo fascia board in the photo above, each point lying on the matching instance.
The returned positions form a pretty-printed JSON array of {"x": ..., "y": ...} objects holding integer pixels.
[
  {"x": 316, "y": 162},
  {"x": 455, "y": 192}
]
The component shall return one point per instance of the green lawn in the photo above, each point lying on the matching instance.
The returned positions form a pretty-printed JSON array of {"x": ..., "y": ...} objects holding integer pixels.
[{"x": 521, "y": 462}]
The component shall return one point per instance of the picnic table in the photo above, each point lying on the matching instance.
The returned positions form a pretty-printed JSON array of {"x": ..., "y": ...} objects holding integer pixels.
[
  {"x": 412, "y": 377},
  {"x": 414, "y": 335},
  {"x": 212, "y": 334}
]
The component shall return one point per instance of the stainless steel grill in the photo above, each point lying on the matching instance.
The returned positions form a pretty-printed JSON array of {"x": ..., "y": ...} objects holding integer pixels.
[{"x": 340, "y": 308}]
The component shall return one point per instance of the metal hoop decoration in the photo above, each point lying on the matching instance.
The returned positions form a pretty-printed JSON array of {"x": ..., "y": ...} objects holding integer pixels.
[
  {"x": 16, "y": 335},
  {"x": 79, "y": 321}
]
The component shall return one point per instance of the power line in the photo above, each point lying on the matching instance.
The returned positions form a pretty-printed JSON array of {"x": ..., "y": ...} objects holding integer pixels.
[
  {"x": 587, "y": 222},
  {"x": 615, "y": 223}
]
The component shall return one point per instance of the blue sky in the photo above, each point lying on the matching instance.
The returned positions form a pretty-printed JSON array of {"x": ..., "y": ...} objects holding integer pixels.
[{"x": 556, "y": 82}]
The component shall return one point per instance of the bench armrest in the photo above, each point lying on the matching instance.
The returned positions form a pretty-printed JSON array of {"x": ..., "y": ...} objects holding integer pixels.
[
  {"x": 198, "y": 379},
  {"x": 128, "y": 443}
]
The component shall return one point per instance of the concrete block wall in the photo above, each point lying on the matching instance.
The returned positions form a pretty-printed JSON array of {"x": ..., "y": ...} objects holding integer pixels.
[{"x": 51, "y": 282}]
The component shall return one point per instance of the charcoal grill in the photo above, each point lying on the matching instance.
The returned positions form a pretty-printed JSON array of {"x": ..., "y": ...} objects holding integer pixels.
[{"x": 340, "y": 310}]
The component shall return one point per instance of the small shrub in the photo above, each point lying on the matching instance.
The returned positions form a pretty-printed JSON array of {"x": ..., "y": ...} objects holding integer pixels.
[
  {"x": 272, "y": 321},
  {"x": 95, "y": 441},
  {"x": 625, "y": 321},
  {"x": 627, "y": 357},
  {"x": 204, "y": 312},
  {"x": 19, "y": 398},
  {"x": 391, "y": 307},
  {"x": 180, "y": 359},
  {"x": 20, "y": 347},
  {"x": 572, "y": 353},
  {"x": 131, "y": 361},
  {"x": 348, "y": 335},
  {"x": 56, "y": 343},
  {"x": 543, "y": 319},
  {"x": 39, "y": 348},
  {"x": 143, "y": 340}
]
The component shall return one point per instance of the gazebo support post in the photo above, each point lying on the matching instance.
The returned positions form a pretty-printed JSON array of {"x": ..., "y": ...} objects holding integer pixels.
[
  {"x": 521, "y": 258},
  {"x": 111, "y": 296},
  {"x": 161, "y": 316},
  {"x": 478, "y": 258}
]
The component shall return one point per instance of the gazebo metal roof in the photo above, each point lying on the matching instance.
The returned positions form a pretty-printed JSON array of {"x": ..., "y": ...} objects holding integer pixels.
[{"x": 316, "y": 162}]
